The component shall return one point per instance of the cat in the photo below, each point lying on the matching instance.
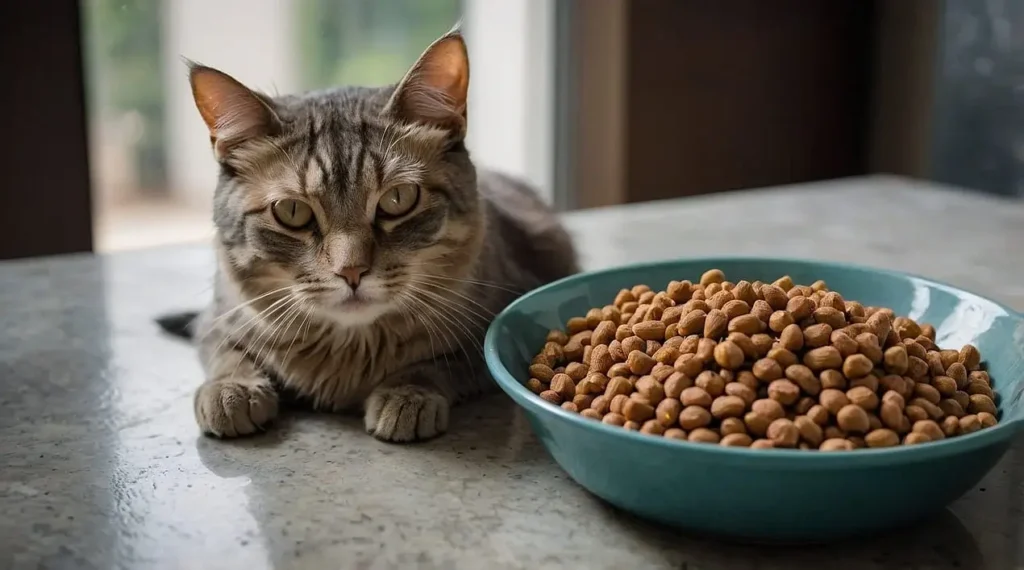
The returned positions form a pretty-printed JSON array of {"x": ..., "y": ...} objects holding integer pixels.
[{"x": 360, "y": 254}]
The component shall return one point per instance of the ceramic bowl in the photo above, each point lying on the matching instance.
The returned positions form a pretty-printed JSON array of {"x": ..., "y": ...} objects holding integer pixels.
[{"x": 768, "y": 495}]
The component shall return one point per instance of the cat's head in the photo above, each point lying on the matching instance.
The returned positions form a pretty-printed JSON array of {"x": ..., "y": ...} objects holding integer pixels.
[{"x": 358, "y": 200}]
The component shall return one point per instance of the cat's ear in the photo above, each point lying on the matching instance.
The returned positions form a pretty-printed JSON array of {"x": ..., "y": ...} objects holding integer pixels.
[
  {"x": 232, "y": 112},
  {"x": 434, "y": 91}
]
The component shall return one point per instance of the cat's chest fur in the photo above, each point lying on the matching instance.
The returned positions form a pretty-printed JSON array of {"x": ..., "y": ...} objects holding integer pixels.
[{"x": 336, "y": 368}]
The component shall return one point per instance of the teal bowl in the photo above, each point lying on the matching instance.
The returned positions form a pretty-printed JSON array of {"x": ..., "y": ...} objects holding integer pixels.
[{"x": 768, "y": 495}]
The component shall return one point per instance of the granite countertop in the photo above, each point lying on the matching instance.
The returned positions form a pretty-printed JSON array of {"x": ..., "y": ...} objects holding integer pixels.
[{"x": 101, "y": 465}]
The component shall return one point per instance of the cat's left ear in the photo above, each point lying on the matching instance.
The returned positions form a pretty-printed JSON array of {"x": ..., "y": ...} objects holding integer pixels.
[{"x": 434, "y": 91}]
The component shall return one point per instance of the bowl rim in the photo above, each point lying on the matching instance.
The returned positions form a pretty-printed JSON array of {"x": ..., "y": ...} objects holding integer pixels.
[{"x": 1002, "y": 431}]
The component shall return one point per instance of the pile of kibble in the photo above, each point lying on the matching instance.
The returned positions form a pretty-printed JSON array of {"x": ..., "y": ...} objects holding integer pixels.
[{"x": 763, "y": 365}]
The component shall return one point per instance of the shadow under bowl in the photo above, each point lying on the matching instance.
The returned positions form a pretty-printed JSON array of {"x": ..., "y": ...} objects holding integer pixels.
[{"x": 768, "y": 495}]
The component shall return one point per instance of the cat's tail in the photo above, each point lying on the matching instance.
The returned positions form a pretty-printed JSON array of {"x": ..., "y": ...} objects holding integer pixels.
[{"x": 179, "y": 324}]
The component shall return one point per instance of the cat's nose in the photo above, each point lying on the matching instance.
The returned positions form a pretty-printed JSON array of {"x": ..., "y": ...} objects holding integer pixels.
[{"x": 352, "y": 274}]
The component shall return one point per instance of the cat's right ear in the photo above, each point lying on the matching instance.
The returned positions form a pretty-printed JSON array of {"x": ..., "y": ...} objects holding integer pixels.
[{"x": 233, "y": 113}]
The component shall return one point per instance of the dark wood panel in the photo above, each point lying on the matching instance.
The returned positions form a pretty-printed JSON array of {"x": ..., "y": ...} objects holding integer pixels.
[
  {"x": 744, "y": 93},
  {"x": 44, "y": 159}
]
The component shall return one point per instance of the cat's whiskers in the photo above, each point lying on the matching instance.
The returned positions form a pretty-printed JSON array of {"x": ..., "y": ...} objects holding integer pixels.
[
  {"x": 295, "y": 336},
  {"x": 281, "y": 311},
  {"x": 409, "y": 309},
  {"x": 489, "y": 313},
  {"x": 444, "y": 354},
  {"x": 276, "y": 329},
  {"x": 239, "y": 307},
  {"x": 465, "y": 310},
  {"x": 296, "y": 311},
  {"x": 468, "y": 281},
  {"x": 452, "y": 318},
  {"x": 247, "y": 326}
]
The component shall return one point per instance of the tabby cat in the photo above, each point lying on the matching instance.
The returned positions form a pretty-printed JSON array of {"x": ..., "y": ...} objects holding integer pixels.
[{"x": 360, "y": 253}]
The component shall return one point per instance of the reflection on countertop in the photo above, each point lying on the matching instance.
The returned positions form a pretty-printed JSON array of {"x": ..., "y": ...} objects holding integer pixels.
[{"x": 101, "y": 465}]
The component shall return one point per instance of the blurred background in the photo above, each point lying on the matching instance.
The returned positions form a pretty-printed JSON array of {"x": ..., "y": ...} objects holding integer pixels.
[{"x": 595, "y": 102}]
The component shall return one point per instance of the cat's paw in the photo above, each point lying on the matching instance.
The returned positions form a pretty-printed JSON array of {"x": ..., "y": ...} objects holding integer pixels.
[
  {"x": 406, "y": 413},
  {"x": 230, "y": 408}
]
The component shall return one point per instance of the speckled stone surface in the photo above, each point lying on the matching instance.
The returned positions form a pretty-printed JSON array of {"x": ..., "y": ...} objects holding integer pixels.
[{"x": 101, "y": 465}]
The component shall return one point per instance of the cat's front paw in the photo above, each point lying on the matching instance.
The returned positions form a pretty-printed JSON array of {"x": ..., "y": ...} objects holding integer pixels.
[
  {"x": 230, "y": 408},
  {"x": 406, "y": 413}
]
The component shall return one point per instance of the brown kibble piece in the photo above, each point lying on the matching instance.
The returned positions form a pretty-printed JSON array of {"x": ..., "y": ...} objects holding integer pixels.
[
  {"x": 637, "y": 411},
  {"x": 648, "y": 330},
  {"x": 728, "y": 407},
  {"x": 987, "y": 419},
  {"x": 822, "y": 358},
  {"x": 800, "y": 307},
  {"x": 864, "y": 397},
  {"x": 591, "y": 414},
  {"x": 804, "y": 378},
  {"x": 981, "y": 403},
  {"x": 969, "y": 424},
  {"x": 675, "y": 433},
  {"x": 857, "y": 366},
  {"x": 970, "y": 358},
  {"x": 817, "y": 335},
  {"x": 667, "y": 412},
  {"x": 570, "y": 407},
  {"x": 780, "y": 320},
  {"x": 651, "y": 389},
  {"x": 676, "y": 383},
  {"x": 853, "y": 418},
  {"x": 843, "y": 342},
  {"x": 639, "y": 362},
  {"x": 930, "y": 428},
  {"x": 551, "y": 396},
  {"x": 836, "y": 444},
  {"x": 693, "y": 417},
  {"x": 767, "y": 370},
  {"x": 769, "y": 408},
  {"x": 950, "y": 426},
  {"x": 742, "y": 391},
  {"x": 915, "y": 437},
  {"x": 833, "y": 400},
  {"x": 696, "y": 396},
  {"x": 736, "y": 440},
  {"x": 882, "y": 438},
  {"x": 810, "y": 430},
  {"x": 564, "y": 385},
  {"x": 784, "y": 357},
  {"x": 833, "y": 379},
  {"x": 614, "y": 419},
  {"x": 792, "y": 338},
  {"x": 747, "y": 324},
  {"x": 783, "y": 392},
  {"x": 728, "y": 355},
  {"x": 536, "y": 386},
  {"x": 703, "y": 435},
  {"x": 783, "y": 433},
  {"x": 712, "y": 383},
  {"x": 818, "y": 414}
]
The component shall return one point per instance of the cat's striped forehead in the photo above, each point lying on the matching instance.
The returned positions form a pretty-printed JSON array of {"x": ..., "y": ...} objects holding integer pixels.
[{"x": 339, "y": 143}]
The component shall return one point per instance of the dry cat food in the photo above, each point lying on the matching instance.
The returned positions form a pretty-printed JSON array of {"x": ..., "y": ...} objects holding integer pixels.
[{"x": 764, "y": 365}]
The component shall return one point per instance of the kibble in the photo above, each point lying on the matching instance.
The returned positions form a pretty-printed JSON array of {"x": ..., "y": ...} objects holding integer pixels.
[{"x": 762, "y": 365}]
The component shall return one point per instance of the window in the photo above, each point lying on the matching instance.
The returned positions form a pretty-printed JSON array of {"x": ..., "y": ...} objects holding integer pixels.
[{"x": 152, "y": 169}]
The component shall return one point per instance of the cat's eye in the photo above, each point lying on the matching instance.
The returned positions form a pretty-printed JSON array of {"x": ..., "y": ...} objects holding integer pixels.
[
  {"x": 292, "y": 213},
  {"x": 398, "y": 201}
]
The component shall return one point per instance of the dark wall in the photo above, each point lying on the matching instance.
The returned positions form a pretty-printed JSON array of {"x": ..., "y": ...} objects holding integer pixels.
[
  {"x": 744, "y": 93},
  {"x": 45, "y": 184}
]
